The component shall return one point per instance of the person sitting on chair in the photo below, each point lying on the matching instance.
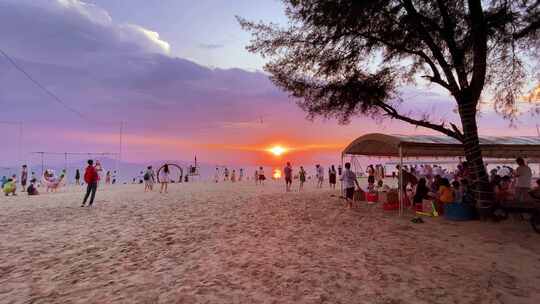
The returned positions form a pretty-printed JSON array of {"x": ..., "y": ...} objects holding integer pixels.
[
  {"x": 503, "y": 191},
  {"x": 535, "y": 192}
]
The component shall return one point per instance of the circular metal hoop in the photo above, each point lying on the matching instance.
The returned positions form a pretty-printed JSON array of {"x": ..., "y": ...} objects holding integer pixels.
[{"x": 171, "y": 165}]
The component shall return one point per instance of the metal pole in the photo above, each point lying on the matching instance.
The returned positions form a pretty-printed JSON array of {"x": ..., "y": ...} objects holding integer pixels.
[
  {"x": 341, "y": 181},
  {"x": 42, "y": 164},
  {"x": 400, "y": 181},
  {"x": 20, "y": 142},
  {"x": 119, "y": 156}
]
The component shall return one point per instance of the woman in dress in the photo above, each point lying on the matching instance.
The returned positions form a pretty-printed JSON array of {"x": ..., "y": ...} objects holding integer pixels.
[
  {"x": 164, "y": 178},
  {"x": 332, "y": 177},
  {"x": 99, "y": 170}
]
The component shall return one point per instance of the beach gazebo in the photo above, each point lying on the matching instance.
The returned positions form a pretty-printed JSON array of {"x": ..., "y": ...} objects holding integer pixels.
[{"x": 404, "y": 146}]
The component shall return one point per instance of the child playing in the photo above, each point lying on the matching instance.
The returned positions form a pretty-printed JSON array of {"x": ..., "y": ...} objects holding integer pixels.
[
  {"x": 32, "y": 190},
  {"x": 10, "y": 187},
  {"x": 380, "y": 185}
]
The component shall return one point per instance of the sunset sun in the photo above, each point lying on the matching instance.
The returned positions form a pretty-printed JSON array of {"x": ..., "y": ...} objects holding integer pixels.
[{"x": 277, "y": 150}]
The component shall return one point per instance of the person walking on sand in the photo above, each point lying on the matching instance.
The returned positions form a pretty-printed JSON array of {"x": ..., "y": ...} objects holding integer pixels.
[
  {"x": 302, "y": 177},
  {"x": 332, "y": 176},
  {"x": 320, "y": 175},
  {"x": 77, "y": 177},
  {"x": 24, "y": 177},
  {"x": 349, "y": 182},
  {"x": 233, "y": 176},
  {"x": 261, "y": 177},
  {"x": 216, "y": 175},
  {"x": 164, "y": 178},
  {"x": 225, "y": 174},
  {"x": 256, "y": 179},
  {"x": 241, "y": 175},
  {"x": 288, "y": 176},
  {"x": 148, "y": 178},
  {"x": 91, "y": 178}
]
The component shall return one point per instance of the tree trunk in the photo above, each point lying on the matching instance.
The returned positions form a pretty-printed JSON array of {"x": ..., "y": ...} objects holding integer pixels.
[{"x": 483, "y": 193}]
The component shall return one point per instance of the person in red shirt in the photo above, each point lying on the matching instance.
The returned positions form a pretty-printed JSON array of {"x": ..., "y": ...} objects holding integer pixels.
[{"x": 91, "y": 178}]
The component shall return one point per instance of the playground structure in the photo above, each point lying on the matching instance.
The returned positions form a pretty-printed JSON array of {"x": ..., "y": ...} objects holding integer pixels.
[
  {"x": 192, "y": 171},
  {"x": 171, "y": 165},
  {"x": 63, "y": 180}
]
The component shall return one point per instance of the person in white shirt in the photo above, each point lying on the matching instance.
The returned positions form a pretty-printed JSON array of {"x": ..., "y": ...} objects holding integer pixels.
[
  {"x": 349, "y": 180},
  {"x": 523, "y": 176},
  {"x": 320, "y": 176}
]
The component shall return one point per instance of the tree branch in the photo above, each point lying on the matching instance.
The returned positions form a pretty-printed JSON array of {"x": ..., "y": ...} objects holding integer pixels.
[
  {"x": 532, "y": 27},
  {"x": 435, "y": 49},
  {"x": 436, "y": 78},
  {"x": 448, "y": 34},
  {"x": 393, "y": 113}
]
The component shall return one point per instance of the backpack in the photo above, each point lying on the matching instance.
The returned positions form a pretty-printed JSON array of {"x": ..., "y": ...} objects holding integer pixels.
[{"x": 146, "y": 176}]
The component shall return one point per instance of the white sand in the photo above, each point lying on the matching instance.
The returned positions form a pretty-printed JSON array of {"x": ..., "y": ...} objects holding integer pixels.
[{"x": 237, "y": 243}]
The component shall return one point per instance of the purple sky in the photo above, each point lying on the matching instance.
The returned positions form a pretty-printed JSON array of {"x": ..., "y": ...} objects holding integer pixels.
[{"x": 177, "y": 73}]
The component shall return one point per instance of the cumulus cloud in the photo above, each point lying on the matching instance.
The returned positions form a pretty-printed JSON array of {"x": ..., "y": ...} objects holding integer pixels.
[
  {"x": 70, "y": 32},
  {"x": 114, "y": 72}
]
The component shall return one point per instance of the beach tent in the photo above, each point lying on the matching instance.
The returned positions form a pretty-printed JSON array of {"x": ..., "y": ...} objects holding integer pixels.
[{"x": 400, "y": 146}]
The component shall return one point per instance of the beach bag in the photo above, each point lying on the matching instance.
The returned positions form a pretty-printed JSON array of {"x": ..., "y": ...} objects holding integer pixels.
[{"x": 146, "y": 176}]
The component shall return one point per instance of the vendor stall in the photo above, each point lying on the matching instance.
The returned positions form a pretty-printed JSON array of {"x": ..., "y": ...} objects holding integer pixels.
[{"x": 406, "y": 146}]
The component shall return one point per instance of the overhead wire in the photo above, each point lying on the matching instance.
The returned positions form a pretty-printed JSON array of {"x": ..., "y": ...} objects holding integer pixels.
[{"x": 42, "y": 87}]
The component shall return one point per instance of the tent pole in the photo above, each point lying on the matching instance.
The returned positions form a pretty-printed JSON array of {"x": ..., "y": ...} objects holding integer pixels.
[
  {"x": 341, "y": 181},
  {"x": 400, "y": 182},
  {"x": 42, "y": 164}
]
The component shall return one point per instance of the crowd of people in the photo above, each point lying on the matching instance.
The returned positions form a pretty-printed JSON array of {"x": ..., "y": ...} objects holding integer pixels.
[
  {"x": 227, "y": 175},
  {"x": 445, "y": 187}
]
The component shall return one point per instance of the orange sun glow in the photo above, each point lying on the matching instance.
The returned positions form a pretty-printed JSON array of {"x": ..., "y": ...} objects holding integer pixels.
[
  {"x": 277, "y": 150},
  {"x": 276, "y": 174}
]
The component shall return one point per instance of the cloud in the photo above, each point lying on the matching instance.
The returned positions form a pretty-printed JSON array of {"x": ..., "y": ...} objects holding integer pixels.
[
  {"x": 115, "y": 72},
  {"x": 211, "y": 46},
  {"x": 70, "y": 32}
]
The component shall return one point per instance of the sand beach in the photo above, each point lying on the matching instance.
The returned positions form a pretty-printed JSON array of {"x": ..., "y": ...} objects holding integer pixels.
[{"x": 241, "y": 243}]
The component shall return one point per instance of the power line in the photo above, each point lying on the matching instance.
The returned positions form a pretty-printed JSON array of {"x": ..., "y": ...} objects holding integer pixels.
[{"x": 51, "y": 94}]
